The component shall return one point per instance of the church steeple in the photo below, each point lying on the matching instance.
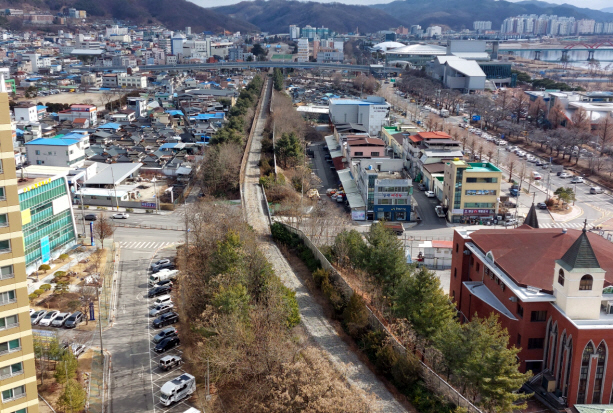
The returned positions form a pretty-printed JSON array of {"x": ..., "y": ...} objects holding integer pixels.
[
  {"x": 531, "y": 219},
  {"x": 581, "y": 254}
]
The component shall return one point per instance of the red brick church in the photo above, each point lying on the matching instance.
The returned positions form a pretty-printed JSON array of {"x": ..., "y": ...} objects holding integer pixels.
[{"x": 553, "y": 291}]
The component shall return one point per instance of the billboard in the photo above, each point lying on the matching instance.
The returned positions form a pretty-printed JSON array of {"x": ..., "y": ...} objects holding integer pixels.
[{"x": 45, "y": 250}]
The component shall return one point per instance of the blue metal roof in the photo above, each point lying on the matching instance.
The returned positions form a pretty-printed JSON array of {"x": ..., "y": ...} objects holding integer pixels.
[
  {"x": 206, "y": 116},
  {"x": 110, "y": 126},
  {"x": 52, "y": 142},
  {"x": 174, "y": 112},
  {"x": 41, "y": 107}
]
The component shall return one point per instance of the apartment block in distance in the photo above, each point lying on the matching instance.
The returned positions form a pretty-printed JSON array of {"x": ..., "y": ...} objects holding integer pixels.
[{"x": 17, "y": 370}]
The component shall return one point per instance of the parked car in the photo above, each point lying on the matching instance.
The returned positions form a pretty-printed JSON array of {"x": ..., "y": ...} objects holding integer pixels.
[
  {"x": 37, "y": 316},
  {"x": 421, "y": 187},
  {"x": 514, "y": 191},
  {"x": 511, "y": 221},
  {"x": 167, "y": 332},
  {"x": 541, "y": 205},
  {"x": 91, "y": 217},
  {"x": 48, "y": 318},
  {"x": 160, "y": 262},
  {"x": 168, "y": 362},
  {"x": 165, "y": 320},
  {"x": 154, "y": 292},
  {"x": 74, "y": 320},
  {"x": 596, "y": 190},
  {"x": 161, "y": 309},
  {"x": 430, "y": 194},
  {"x": 168, "y": 265},
  {"x": 76, "y": 348},
  {"x": 164, "y": 282},
  {"x": 167, "y": 344},
  {"x": 576, "y": 180},
  {"x": 564, "y": 175},
  {"x": 60, "y": 319},
  {"x": 121, "y": 215}
]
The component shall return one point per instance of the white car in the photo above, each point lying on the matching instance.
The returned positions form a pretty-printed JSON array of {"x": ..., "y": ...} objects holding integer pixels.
[
  {"x": 48, "y": 318},
  {"x": 121, "y": 215},
  {"x": 59, "y": 320},
  {"x": 430, "y": 194},
  {"x": 37, "y": 316},
  {"x": 565, "y": 175},
  {"x": 576, "y": 180}
]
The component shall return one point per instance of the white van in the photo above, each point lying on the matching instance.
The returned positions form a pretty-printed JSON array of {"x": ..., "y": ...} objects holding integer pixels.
[
  {"x": 596, "y": 190},
  {"x": 162, "y": 276},
  {"x": 162, "y": 299},
  {"x": 177, "y": 389}
]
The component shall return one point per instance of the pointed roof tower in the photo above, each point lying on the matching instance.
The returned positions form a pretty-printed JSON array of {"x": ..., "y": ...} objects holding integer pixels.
[
  {"x": 581, "y": 254},
  {"x": 531, "y": 219}
]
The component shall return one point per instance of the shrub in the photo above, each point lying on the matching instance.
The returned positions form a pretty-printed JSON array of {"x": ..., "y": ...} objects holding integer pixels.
[
  {"x": 320, "y": 276},
  {"x": 44, "y": 267},
  {"x": 371, "y": 343},
  {"x": 59, "y": 274},
  {"x": 129, "y": 209},
  {"x": 334, "y": 296},
  {"x": 86, "y": 207},
  {"x": 355, "y": 316},
  {"x": 149, "y": 211},
  {"x": 386, "y": 359},
  {"x": 45, "y": 287},
  {"x": 39, "y": 291},
  {"x": 167, "y": 207},
  {"x": 64, "y": 257},
  {"x": 306, "y": 255},
  {"x": 32, "y": 296},
  {"x": 101, "y": 208},
  {"x": 550, "y": 202},
  {"x": 405, "y": 371}
]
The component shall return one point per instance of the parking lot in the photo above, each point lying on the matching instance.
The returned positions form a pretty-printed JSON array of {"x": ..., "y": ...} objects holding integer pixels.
[{"x": 158, "y": 375}]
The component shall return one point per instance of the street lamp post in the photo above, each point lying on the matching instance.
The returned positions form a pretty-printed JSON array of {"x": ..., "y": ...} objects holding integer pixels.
[{"x": 155, "y": 195}]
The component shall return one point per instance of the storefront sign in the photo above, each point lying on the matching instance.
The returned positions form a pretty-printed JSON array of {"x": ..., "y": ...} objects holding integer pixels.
[
  {"x": 147, "y": 204},
  {"x": 384, "y": 195},
  {"x": 358, "y": 215},
  {"x": 478, "y": 212}
]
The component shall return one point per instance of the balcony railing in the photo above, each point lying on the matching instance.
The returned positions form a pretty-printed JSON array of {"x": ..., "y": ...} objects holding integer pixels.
[
  {"x": 9, "y": 375},
  {"x": 10, "y": 350},
  {"x": 10, "y": 399},
  {"x": 7, "y": 276}
]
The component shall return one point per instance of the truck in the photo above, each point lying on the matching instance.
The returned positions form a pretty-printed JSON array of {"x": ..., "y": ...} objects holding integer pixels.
[
  {"x": 177, "y": 389},
  {"x": 162, "y": 276},
  {"x": 439, "y": 211},
  {"x": 395, "y": 226},
  {"x": 444, "y": 113}
]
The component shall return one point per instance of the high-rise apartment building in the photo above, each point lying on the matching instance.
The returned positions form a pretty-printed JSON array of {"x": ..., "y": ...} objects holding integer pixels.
[
  {"x": 17, "y": 369},
  {"x": 482, "y": 25},
  {"x": 303, "y": 50},
  {"x": 294, "y": 32}
]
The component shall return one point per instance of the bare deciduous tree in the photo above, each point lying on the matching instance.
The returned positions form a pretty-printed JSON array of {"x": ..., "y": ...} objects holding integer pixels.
[
  {"x": 103, "y": 228},
  {"x": 556, "y": 114},
  {"x": 604, "y": 132}
]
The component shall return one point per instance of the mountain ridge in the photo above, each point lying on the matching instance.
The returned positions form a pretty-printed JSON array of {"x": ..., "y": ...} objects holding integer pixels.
[
  {"x": 275, "y": 16},
  {"x": 183, "y": 13},
  {"x": 459, "y": 14}
]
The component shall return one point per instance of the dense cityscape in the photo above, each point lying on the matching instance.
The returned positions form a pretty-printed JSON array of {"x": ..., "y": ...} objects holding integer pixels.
[{"x": 392, "y": 214}]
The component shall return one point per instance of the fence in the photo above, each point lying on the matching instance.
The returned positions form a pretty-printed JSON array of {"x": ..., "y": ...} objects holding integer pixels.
[{"x": 438, "y": 384}]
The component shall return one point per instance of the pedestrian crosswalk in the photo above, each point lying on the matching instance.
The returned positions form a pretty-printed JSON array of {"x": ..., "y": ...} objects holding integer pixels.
[
  {"x": 571, "y": 225},
  {"x": 144, "y": 245}
]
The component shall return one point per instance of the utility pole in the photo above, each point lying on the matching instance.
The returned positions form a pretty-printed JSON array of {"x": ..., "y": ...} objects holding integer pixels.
[
  {"x": 114, "y": 188},
  {"x": 82, "y": 212}
]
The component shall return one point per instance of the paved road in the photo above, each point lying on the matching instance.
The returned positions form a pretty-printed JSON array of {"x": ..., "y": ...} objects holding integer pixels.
[{"x": 313, "y": 318}]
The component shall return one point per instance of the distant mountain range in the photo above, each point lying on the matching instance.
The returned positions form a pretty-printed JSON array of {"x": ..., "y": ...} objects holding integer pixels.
[
  {"x": 460, "y": 14},
  {"x": 174, "y": 14},
  {"x": 275, "y": 16},
  {"x": 608, "y": 10}
]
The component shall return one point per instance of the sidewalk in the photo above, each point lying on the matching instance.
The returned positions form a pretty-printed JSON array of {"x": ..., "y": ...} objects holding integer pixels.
[{"x": 575, "y": 213}]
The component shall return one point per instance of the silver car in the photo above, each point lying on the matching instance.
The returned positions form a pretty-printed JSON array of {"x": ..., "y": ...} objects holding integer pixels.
[{"x": 160, "y": 309}]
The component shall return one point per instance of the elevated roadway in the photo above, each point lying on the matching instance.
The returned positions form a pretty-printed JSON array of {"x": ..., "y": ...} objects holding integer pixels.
[{"x": 247, "y": 65}]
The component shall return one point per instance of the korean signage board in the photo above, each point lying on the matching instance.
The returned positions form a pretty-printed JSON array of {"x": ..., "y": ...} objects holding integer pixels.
[
  {"x": 358, "y": 215},
  {"x": 147, "y": 204},
  {"x": 45, "y": 250},
  {"x": 478, "y": 212}
]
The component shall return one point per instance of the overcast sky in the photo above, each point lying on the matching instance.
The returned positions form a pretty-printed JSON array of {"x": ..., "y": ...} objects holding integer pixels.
[{"x": 593, "y": 4}]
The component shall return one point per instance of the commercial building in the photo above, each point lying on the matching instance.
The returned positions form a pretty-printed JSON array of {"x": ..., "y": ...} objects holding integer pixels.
[
  {"x": 48, "y": 222},
  {"x": 372, "y": 112},
  {"x": 132, "y": 81},
  {"x": 553, "y": 292},
  {"x": 68, "y": 150},
  {"x": 17, "y": 368},
  {"x": 471, "y": 191},
  {"x": 303, "y": 50},
  {"x": 458, "y": 73},
  {"x": 385, "y": 189},
  {"x": 80, "y": 111}
]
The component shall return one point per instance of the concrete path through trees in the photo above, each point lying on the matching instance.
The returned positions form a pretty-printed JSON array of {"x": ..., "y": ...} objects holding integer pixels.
[{"x": 313, "y": 318}]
